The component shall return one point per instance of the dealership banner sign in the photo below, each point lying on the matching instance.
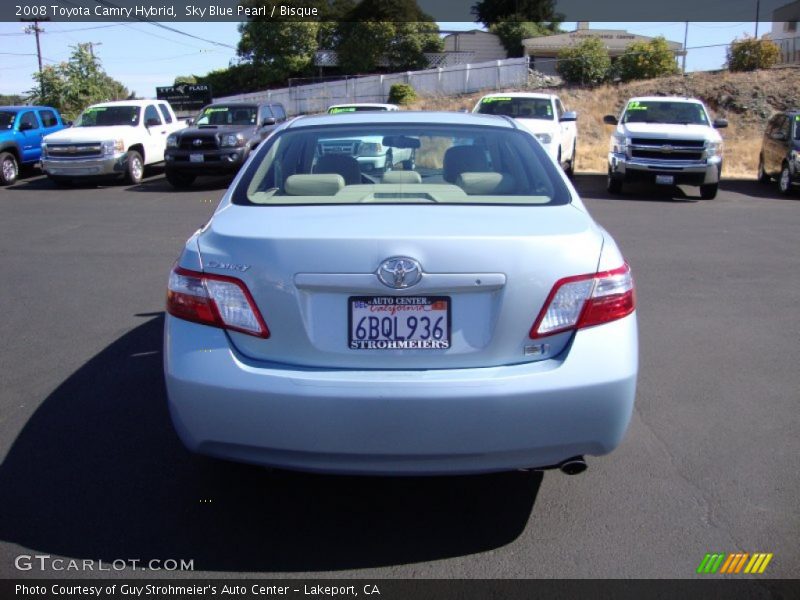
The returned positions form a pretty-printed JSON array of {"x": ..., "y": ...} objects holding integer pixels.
[{"x": 439, "y": 10}]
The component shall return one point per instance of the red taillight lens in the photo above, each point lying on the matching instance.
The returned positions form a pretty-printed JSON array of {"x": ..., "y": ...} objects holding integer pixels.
[
  {"x": 586, "y": 300},
  {"x": 214, "y": 300}
]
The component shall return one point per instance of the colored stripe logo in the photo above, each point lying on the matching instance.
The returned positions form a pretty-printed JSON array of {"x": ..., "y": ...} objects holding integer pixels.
[{"x": 735, "y": 563}]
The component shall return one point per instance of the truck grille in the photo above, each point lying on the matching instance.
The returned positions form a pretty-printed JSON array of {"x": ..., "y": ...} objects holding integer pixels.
[
  {"x": 206, "y": 142},
  {"x": 340, "y": 147},
  {"x": 662, "y": 149},
  {"x": 74, "y": 150}
]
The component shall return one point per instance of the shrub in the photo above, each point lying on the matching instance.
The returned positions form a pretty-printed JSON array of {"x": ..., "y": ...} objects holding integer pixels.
[
  {"x": 749, "y": 54},
  {"x": 585, "y": 63},
  {"x": 646, "y": 60},
  {"x": 402, "y": 93}
]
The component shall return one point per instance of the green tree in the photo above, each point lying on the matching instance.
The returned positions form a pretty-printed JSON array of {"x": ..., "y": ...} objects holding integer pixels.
[
  {"x": 73, "y": 85},
  {"x": 515, "y": 29},
  {"x": 283, "y": 46},
  {"x": 11, "y": 99},
  {"x": 185, "y": 79},
  {"x": 646, "y": 60},
  {"x": 391, "y": 33},
  {"x": 749, "y": 54},
  {"x": 237, "y": 79},
  {"x": 490, "y": 12},
  {"x": 586, "y": 63}
]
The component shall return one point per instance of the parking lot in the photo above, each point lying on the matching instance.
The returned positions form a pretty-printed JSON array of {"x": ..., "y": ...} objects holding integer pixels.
[{"x": 91, "y": 467}]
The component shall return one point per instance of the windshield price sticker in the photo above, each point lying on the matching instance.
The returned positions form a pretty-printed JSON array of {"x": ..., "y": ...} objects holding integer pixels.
[
  {"x": 342, "y": 109},
  {"x": 495, "y": 99},
  {"x": 636, "y": 105},
  {"x": 399, "y": 323}
]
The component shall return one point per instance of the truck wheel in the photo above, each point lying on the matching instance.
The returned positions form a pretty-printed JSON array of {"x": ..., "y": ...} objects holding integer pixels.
[
  {"x": 785, "y": 180},
  {"x": 709, "y": 192},
  {"x": 9, "y": 169},
  {"x": 614, "y": 184},
  {"x": 570, "y": 170},
  {"x": 763, "y": 177},
  {"x": 134, "y": 168},
  {"x": 179, "y": 180}
]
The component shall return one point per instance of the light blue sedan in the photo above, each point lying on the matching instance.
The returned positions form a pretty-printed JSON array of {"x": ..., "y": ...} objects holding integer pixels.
[{"x": 466, "y": 316}]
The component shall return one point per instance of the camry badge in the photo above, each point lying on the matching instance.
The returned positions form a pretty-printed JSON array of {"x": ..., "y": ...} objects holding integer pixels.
[{"x": 399, "y": 272}]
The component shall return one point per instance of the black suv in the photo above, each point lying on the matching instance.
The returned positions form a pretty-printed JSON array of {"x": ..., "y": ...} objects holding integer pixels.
[
  {"x": 780, "y": 151},
  {"x": 219, "y": 140}
]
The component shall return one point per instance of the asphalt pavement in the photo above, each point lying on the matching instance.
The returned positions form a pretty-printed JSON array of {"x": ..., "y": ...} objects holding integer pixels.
[{"x": 91, "y": 468}]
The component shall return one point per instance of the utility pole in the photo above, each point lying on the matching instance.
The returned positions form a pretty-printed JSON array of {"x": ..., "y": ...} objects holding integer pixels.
[
  {"x": 685, "y": 39},
  {"x": 91, "y": 47},
  {"x": 35, "y": 29},
  {"x": 758, "y": 11}
]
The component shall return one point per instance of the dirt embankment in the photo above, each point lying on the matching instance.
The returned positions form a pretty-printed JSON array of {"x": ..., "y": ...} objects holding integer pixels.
[{"x": 747, "y": 100}]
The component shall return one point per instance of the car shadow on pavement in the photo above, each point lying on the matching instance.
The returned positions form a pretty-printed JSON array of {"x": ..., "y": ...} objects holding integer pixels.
[
  {"x": 98, "y": 473},
  {"x": 593, "y": 186},
  {"x": 161, "y": 185},
  {"x": 756, "y": 189}
]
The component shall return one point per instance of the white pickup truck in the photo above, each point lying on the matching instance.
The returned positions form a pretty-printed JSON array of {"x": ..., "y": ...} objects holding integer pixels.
[
  {"x": 544, "y": 116},
  {"x": 666, "y": 140},
  {"x": 108, "y": 139}
]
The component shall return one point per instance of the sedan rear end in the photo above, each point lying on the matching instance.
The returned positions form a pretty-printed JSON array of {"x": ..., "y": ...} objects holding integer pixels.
[{"x": 466, "y": 316}]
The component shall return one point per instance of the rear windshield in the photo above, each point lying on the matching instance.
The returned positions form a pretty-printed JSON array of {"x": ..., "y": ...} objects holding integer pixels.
[
  {"x": 334, "y": 110},
  {"x": 99, "y": 116},
  {"x": 519, "y": 108},
  {"x": 408, "y": 163},
  {"x": 6, "y": 119},
  {"x": 228, "y": 115},
  {"x": 658, "y": 111}
]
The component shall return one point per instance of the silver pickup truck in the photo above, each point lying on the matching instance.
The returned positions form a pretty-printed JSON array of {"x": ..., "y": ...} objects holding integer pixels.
[{"x": 665, "y": 140}]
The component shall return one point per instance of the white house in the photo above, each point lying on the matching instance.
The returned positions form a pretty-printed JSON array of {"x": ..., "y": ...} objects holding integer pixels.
[
  {"x": 785, "y": 33},
  {"x": 543, "y": 51}
]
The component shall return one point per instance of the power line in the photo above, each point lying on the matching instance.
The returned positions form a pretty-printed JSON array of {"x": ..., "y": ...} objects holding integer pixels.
[{"x": 168, "y": 28}]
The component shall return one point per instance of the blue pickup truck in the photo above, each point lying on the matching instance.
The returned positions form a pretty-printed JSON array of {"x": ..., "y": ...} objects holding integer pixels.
[{"x": 21, "y": 131}]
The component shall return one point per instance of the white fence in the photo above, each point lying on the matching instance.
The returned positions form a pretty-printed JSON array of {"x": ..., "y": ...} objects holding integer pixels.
[{"x": 446, "y": 81}]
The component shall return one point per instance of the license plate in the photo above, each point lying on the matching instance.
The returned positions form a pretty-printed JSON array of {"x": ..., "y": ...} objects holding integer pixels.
[
  {"x": 195, "y": 158},
  {"x": 399, "y": 322},
  {"x": 665, "y": 179}
]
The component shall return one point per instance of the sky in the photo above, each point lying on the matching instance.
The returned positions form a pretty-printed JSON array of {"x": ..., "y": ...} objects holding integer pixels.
[{"x": 143, "y": 56}]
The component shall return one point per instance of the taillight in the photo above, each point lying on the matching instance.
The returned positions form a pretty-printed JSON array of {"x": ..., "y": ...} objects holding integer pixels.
[
  {"x": 214, "y": 300},
  {"x": 586, "y": 300}
]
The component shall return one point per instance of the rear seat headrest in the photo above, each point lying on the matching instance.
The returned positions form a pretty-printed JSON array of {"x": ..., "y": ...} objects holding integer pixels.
[
  {"x": 327, "y": 184},
  {"x": 486, "y": 183},
  {"x": 401, "y": 177}
]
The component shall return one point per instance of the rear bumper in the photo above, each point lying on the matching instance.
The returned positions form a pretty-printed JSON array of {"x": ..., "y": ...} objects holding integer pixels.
[
  {"x": 85, "y": 167},
  {"x": 401, "y": 422},
  {"x": 684, "y": 172}
]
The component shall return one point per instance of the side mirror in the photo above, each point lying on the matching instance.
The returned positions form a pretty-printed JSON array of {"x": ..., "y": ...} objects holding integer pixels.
[
  {"x": 67, "y": 123},
  {"x": 268, "y": 121},
  {"x": 189, "y": 122},
  {"x": 720, "y": 123},
  {"x": 569, "y": 116},
  {"x": 610, "y": 120},
  {"x": 151, "y": 122},
  {"x": 25, "y": 126}
]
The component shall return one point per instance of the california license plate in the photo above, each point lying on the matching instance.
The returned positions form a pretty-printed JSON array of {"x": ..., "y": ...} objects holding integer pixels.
[
  {"x": 195, "y": 158},
  {"x": 399, "y": 322},
  {"x": 665, "y": 179}
]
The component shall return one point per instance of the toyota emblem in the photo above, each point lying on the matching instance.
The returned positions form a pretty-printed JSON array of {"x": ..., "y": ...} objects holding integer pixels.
[
  {"x": 399, "y": 272},
  {"x": 197, "y": 142}
]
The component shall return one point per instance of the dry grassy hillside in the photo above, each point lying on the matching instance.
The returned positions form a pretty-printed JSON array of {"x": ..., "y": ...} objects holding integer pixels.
[{"x": 746, "y": 99}]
